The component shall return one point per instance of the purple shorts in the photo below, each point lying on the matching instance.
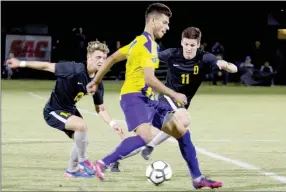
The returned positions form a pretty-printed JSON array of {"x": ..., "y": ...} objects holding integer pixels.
[{"x": 139, "y": 109}]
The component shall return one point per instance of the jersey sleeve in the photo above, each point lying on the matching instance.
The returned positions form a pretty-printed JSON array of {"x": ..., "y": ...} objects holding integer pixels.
[
  {"x": 98, "y": 96},
  {"x": 165, "y": 55},
  {"x": 124, "y": 50},
  {"x": 68, "y": 69},
  {"x": 210, "y": 59}
]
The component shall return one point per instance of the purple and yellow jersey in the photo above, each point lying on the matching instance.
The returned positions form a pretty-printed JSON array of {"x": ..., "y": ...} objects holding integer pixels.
[{"x": 141, "y": 52}]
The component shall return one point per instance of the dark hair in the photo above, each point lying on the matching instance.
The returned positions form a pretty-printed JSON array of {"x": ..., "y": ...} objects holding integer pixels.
[
  {"x": 192, "y": 33},
  {"x": 158, "y": 8}
]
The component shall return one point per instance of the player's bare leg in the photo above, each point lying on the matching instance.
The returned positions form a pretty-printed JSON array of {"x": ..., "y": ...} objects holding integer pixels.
[
  {"x": 181, "y": 115},
  {"x": 78, "y": 153},
  {"x": 175, "y": 128},
  {"x": 125, "y": 148}
]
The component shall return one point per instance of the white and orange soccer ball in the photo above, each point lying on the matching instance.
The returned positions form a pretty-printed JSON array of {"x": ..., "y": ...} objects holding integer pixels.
[{"x": 158, "y": 172}]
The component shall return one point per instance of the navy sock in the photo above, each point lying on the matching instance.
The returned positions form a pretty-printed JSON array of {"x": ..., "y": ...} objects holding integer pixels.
[{"x": 188, "y": 151}]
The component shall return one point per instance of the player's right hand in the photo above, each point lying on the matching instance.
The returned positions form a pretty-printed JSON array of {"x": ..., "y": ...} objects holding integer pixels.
[
  {"x": 181, "y": 98},
  {"x": 13, "y": 63},
  {"x": 91, "y": 88}
]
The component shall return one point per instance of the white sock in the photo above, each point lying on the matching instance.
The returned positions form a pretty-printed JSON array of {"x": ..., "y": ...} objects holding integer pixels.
[
  {"x": 133, "y": 152},
  {"x": 73, "y": 162},
  {"x": 198, "y": 179},
  {"x": 81, "y": 142},
  {"x": 158, "y": 139}
]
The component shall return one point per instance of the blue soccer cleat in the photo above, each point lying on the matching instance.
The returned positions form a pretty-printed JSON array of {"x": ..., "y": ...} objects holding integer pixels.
[{"x": 76, "y": 174}]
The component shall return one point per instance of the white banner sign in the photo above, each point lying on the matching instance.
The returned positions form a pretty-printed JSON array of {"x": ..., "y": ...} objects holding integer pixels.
[{"x": 29, "y": 47}]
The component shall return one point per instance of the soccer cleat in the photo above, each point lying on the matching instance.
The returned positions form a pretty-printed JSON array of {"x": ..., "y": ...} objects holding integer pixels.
[
  {"x": 114, "y": 167},
  {"x": 205, "y": 182},
  {"x": 99, "y": 170},
  {"x": 78, "y": 173},
  {"x": 147, "y": 152},
  {"x": 88, "y": 167}
]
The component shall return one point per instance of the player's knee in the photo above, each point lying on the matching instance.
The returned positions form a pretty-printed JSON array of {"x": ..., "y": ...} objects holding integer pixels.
[
  {"x": 183, "y": 117},
  {"x": 81, "y": 126},
  {"x": 185, "y": 121},
  {"x": 76, "y": 124},
  {"x": 145, "y": 132}
]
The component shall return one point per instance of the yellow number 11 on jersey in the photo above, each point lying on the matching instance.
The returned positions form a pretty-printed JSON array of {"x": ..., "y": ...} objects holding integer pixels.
[{"x": 185, "y": 78}]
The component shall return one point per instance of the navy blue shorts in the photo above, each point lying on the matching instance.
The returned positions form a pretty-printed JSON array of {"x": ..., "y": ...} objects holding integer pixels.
[{"x": 58, "y": 118}]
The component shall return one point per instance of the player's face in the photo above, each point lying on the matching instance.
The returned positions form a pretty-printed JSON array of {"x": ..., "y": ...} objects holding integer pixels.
[
  {"x": 190, "y": 47},
  {"x": 161, "y": 26},
  {"x": 96, "y": 60}
]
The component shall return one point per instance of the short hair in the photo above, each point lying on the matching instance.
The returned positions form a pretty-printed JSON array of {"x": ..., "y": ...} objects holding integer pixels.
[
  {"x": 96, "y": 46},
  {"x": 158, "y": 8},
  {"x": 192, "y": 33}
]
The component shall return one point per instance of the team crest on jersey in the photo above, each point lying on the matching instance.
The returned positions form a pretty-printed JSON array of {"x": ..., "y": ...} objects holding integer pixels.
[{"x": 154, "y": 60}]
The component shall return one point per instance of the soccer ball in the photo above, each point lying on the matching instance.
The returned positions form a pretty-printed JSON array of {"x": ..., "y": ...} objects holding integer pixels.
[{"x": 158, "y": 172}]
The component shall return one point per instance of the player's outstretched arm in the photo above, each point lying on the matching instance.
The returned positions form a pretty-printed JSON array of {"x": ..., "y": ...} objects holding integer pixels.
[
  {"x": 222, "y": 64},
  {"x": 39, "y": 65},
  {"x": 110, "y": 61},
  {"x": 157, "y": 85},
  {"x": 103, "y": 113}
]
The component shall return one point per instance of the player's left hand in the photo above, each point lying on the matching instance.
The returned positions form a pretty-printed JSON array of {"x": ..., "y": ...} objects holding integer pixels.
[
  {"x": 118, "y": 131},
  {"x": 222, "y": 64}
]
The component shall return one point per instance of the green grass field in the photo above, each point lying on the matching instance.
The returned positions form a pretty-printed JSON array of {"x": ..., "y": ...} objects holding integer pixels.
[{"x": 239, "y": 131}]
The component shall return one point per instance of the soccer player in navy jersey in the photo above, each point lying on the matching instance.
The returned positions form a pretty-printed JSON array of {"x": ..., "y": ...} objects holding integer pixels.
[
  {"x": 60, "y": 111},
  {"x": 187, "y": 67}
]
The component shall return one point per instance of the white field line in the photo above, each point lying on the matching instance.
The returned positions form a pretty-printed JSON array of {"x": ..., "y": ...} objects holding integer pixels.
[
  {"x": 241, "y": 164},
  {"x": 85, "y": 111}
]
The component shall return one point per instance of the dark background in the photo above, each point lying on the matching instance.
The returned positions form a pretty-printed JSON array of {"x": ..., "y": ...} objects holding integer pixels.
[{"x": 237, "y": 25}]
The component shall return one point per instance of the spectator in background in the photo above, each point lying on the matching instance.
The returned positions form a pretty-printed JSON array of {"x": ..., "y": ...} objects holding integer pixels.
[
  {"x": 119, "y": 66},
  {"x": 247, "y": 63},
  {"x": 118, "y": 45},
  {"x": 255, "y": 77},
  {"x": 203, "y": 46},
  {"x": 257, "y": 55},
  {"x": 80, "y": 44},
  {"x": 267, "y": 69},
  {"x": 218, "y": 49}
]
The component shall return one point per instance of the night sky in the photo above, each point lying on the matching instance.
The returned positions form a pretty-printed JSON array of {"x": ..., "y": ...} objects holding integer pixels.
[{"x": 235, "y": 24}]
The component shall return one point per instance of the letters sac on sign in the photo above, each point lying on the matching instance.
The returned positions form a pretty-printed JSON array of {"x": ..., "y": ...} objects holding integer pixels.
[{"x": 29, "y": 47}]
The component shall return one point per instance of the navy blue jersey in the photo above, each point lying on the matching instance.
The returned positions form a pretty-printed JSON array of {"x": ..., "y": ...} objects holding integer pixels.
[
  {"x": 185, "y": 76},
  {"x": 70, "y": 87}
]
